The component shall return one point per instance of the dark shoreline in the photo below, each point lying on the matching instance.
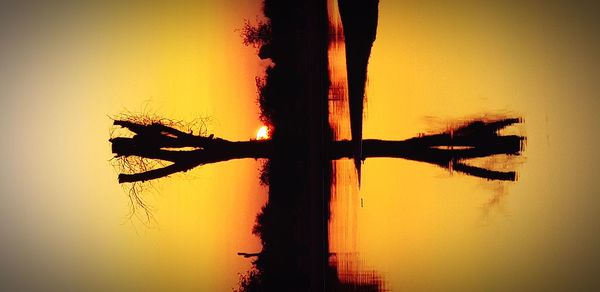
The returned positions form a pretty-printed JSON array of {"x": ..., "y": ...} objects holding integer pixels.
[{"x": 293, "y": 225}]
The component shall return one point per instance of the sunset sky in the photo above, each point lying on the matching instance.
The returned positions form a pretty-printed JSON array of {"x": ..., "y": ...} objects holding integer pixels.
[
  {"x": 437, "y": 62},
  {"x": 66, "y": 67}
]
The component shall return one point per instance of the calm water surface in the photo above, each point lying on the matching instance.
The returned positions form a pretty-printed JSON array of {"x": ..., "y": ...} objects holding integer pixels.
[{"x": 345, "y": 195}]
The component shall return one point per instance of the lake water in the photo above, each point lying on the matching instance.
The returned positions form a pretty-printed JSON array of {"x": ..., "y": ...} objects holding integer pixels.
[
  {"x": 345, "y": 195},
  {"x": 422, "y": 228}
]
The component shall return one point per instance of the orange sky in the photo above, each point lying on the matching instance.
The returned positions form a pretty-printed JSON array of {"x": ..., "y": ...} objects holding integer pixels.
[
  {"x": 64, "y": 67},
  {"x": 425, "y": 229}
]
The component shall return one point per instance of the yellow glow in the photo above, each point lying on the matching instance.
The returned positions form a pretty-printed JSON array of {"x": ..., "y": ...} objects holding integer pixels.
[
  {"x": 426, "y": 229},
  {"x": 263, "y": 133},
  {"x": 63, "y": 68}
]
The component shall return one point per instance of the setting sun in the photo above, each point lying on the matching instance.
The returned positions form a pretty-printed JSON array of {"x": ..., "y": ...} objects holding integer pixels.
[{"x": 262, "y": 133}]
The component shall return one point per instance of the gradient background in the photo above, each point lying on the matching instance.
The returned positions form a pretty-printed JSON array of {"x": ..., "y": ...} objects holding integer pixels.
[
  {"x": 66, "y": 66},
  {"x": 434, "y": 62},
  {"x": 63, "y": 218}
]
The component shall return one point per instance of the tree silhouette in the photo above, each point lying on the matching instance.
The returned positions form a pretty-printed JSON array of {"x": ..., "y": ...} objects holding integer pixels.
[
  {"x": 250, "y": 282},
  {"x": 184, "y": 151},
  {"x": 257, "y": 36},
  {"x": 450, "y": 149}
]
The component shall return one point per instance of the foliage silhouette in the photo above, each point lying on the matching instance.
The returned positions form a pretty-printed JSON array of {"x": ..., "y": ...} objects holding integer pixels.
[{"x": 258, "y": 36}]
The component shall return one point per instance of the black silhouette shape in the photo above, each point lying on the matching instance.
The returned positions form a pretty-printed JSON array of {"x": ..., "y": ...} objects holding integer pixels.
[
  {"x": 158, "y": 141},
  {"x": 293, "y": 225},
  {"x": 359, "y": 19},
  {"x": 449, "y": 149}
]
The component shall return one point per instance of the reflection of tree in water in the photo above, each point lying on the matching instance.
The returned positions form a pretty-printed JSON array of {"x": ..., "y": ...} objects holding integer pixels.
[
  {"x": 285, "y": 224},
  {"x": 183, "y": 151},
  {"x": 293, "y": 225}
]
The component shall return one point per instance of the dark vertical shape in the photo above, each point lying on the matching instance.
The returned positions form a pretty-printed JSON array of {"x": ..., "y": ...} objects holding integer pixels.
[
  {"x": 316, "y": 202},
  {"x": 359, "y": 19},
  {"x": 293, "y": 224}
]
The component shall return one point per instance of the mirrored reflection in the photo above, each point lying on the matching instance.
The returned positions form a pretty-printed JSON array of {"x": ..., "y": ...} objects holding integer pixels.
[{"x": 312, "y": 101}]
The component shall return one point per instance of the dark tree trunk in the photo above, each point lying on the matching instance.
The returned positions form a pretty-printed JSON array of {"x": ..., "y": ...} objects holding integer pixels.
[
  {"x": 186, "y": 151},
  {"x": 217, "y": 151},
  {"x": 418, "y": 150}
]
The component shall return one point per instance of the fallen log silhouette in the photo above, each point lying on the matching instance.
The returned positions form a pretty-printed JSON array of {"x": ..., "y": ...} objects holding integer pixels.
[{"x": 185, "y": 151}]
